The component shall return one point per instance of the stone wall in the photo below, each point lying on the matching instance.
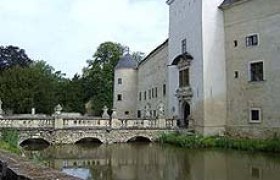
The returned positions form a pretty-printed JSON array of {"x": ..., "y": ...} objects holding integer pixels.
[
  {"x": 243, "y": 19},
  {"x": 152, "y": 76},
  {"x": 70, "y": 136}
]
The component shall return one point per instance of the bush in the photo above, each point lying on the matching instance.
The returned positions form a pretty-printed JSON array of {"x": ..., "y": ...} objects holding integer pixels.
[{"x": 194, "y": 141}]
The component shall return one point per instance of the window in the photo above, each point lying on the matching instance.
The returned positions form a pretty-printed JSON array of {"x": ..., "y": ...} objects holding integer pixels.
[
  {"x": 256, "y": 71},
  {"x": 152, "y": 92},
  {"x": 140, "y": 96},
  {"x": 235, "y": 42},
  {"x": 145, "y": 95},
  {"x": 149, "y": 94},
  {"x": 119, "y": 97},
  {"x": 164, "y": 89},
  {"x": 252, "y": 40},
  {"x": 139, "y": 113},
  {"x": 255, "y": 115},
  {"x": 156, "y": 92},
  {"x": 184, "y": 46},
  {"x": 236, "y": 74},
  {"x": 126, "y": 112},
  {"x": 184, "y": 78},
  {"x": 119, "y": 80}
]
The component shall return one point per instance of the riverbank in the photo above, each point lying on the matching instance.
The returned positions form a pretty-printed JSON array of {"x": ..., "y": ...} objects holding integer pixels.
[
  {"x": 8, "y": 141},
  {"x": 17, "y": 167},
  {"x": 195, "y": 141}
]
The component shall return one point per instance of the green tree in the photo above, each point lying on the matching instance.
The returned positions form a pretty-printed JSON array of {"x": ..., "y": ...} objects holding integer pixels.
[
  {"x": 11, "y": 56},
  {"x": 98, "y": 77}
]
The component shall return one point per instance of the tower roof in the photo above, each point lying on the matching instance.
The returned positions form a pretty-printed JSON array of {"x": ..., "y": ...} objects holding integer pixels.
[
  {"x": 227, "y": 3},
  {"x": 126, "y": 62}
]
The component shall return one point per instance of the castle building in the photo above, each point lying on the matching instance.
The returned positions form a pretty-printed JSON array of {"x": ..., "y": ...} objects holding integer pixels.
[{"x": 217, "y": 72}]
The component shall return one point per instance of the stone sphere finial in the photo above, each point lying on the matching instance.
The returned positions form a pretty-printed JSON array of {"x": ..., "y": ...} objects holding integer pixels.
[{"x": 58, "y": 109}]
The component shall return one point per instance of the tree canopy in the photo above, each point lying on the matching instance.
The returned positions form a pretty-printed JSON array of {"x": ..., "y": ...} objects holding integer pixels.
[
  {"x": 99, "y": 76},
  {"x": 27, "y": 84},
  {"x": 11, "y": 56}
]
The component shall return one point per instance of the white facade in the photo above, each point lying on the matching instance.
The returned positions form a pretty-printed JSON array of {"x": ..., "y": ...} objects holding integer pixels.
[
  {"x": 207, "y": 68},
  {"x": 125, "y": 88},
  {"x": 200, "y": 22},
  {"x": 260, "y": 18}
]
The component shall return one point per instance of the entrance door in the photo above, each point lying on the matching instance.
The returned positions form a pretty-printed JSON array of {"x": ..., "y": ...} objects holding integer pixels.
[{"x": 187, "y": 112}]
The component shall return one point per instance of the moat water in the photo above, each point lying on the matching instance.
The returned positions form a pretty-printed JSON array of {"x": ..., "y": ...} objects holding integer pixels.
[{"x": 148, "y": 161}]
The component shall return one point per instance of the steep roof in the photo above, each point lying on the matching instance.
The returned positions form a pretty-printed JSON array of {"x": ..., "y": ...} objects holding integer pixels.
[
  {"x": 154, "y": 51},
  {"x": 228, "y": 3},
  {"x": 126, "y": 62}
]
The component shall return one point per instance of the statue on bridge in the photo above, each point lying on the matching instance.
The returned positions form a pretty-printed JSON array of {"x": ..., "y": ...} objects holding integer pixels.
[
  {"x": 147, "y": 112},
  {"x": 160, "y": 110},
  {"x": 58, "y": 109}
]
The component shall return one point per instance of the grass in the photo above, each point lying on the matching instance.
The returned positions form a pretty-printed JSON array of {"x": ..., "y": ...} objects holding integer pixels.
[
  {"x": 9, "y": 140},
  {"x": 195, "y": 141}
]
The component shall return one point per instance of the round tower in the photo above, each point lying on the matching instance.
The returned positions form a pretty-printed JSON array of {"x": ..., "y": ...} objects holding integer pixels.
[{"x": 125, "y": 87}]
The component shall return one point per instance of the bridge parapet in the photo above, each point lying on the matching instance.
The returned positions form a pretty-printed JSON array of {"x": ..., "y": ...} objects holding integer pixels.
[
  {"x": 26, "y": 123},
  {"x": 59, "y": 122}
]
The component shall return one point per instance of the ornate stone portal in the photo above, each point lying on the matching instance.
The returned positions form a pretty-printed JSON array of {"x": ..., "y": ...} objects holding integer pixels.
[{"x": 184, "y": 92}]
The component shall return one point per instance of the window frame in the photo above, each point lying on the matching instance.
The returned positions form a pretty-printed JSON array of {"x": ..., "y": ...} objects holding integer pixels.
[
  {"x": 121, "y": 97},
  {"x": 250, "y": 115},
  {"x": 184, "y": 77},
  {"x": 119, "y": 81},
  {"x": 250, "y": 73},
  {"x": 164, "y": 90},
  {"x": 252, "y": 36}
]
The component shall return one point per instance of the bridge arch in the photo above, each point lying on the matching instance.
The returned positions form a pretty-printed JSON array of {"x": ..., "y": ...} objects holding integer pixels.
[
  {"x": 139, "y": 138},
  {"x": 33, "y": 140},
  {"x": 87, "y": 140}
]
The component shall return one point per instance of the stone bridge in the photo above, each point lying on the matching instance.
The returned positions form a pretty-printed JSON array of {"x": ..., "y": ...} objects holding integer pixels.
[
  {"x": 69, "y": 130},
  {"x": 71, "y": 136}
]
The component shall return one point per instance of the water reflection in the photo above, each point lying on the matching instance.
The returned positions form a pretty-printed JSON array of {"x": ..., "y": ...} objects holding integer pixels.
[{"x": 152, "y": 161}]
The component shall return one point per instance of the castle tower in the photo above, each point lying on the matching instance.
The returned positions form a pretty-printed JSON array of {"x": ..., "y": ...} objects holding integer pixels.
[
  {"x": 125, "y": 87},
  {"x": 197, "y": 78}
]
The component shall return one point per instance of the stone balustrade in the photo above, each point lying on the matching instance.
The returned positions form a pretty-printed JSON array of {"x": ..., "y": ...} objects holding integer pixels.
[{"x": 59, "y": 122}]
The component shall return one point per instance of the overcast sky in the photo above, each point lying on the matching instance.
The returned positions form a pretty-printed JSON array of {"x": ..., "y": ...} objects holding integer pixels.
[{"x": 66, "y": 33}]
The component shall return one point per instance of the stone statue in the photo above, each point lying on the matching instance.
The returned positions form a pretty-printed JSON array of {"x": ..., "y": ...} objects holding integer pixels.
[
  {"x": 114, "y": 113},
  {"x": 147, "y": 112},
  {"x": 58, "y": 109},
  {"x": 161, "y": 110},
  {"x": 105, "y": 114}
]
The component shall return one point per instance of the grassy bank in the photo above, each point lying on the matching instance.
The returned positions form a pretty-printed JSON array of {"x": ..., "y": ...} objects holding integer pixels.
[
  {"x": 192, "y": 141},
  {"x": 9, "y": 140}
]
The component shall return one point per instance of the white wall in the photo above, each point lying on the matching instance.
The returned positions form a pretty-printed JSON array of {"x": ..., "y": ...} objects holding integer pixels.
[
  {"x": 128, "y": 90},
  {"x": 214, "y": 71},
  {"x": 185, "y": 21}
]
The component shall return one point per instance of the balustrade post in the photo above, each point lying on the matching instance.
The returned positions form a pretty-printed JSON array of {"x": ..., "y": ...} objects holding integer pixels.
[
  {"x": 115, "y": 122},
  {"x": 58, "y": 121}
]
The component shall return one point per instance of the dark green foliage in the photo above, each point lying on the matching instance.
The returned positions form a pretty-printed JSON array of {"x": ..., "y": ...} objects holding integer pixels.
[
  {"x": 10, "y": 136},
  {"x": 9, "y": 140},
  {"x": 191, "y": 141},
  {"x": 11, "y": 56},
  {"x": 98, "y": 77}
]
